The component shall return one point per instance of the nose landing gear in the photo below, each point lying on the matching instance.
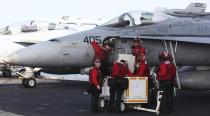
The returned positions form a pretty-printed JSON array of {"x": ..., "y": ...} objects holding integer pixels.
[
  {"x": 29, "y": 82},
  {"x": 27, "y": 76}
]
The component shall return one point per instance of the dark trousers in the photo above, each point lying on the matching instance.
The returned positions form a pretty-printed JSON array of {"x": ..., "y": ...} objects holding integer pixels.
[
  {"x": 172, "y": 97},
  {"x": 94, "y": 102},
  {"x": 116, "y": 93},
  {"x": 104, "y": 68},
  {"x": 95, "y": 94},
  {"x": 152, "y": 93},
  {"x": 150, "y": 83},
  {"x": 167, "y": 100}
]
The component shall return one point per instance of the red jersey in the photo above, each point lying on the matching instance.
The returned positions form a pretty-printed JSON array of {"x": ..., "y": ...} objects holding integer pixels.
[
  {"x": 142, "y": 70},
  {"x": 120, "y": 70},
  {"x": 164, "y": 71},
  {"x": 100, "y": 53},
  {"x": 94, "y": 76},
  {"x": 173, "y": 71}
]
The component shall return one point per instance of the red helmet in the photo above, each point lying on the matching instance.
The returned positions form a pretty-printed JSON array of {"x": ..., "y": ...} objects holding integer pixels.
[{"x": 163, "y": 55}]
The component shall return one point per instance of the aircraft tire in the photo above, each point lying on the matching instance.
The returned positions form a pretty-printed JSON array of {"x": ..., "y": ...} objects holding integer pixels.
[
  {"x": 29, "y": 83},
  {"x": 24, "y": 83}
]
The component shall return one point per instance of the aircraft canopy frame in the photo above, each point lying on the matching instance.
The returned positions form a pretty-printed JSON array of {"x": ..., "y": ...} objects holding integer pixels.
[{"x": 137, "y": 18}]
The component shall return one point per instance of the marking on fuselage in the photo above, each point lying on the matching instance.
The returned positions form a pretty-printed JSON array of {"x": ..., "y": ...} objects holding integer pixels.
[
  {"x": 90, "y": 39},
  {"x": 203, "y": 29}
]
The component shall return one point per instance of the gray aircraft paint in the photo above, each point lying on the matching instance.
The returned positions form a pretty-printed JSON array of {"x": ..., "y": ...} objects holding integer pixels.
[{"x": 191, "y": 41}]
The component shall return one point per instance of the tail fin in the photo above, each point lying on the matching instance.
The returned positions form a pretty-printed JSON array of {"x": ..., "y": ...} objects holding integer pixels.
[{"x": 196, "y": 7}]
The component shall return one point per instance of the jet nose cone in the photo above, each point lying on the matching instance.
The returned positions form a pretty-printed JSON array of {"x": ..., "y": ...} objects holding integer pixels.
[
  {"x": 37, "y": 55},
  {"x": 11, "y": 59}
]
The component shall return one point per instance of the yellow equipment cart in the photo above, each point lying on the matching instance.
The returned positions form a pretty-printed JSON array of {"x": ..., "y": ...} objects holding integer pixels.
[{"x": 134, "y": 97}]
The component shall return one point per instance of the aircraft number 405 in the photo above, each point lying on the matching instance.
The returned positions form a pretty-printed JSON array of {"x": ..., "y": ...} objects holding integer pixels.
[{"x": 90, "y": 39}]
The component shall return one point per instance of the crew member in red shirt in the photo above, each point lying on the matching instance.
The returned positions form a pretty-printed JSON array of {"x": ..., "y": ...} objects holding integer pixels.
[
  {"x": 142, "y": 69},
  {"x": 95, "y": 87},
  {"x": 102, "y": 53},
  {"x": 119, "y": 71},
  {"x": 164, "y": 76},
  {"x": 137, "y": 48}
]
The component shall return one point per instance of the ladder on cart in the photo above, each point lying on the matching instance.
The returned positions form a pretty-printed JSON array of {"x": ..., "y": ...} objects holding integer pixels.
[{"x": 172, "y": 51}]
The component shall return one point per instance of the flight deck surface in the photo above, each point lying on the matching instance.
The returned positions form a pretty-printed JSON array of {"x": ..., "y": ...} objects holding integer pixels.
[{"x": 67, "y": 98}]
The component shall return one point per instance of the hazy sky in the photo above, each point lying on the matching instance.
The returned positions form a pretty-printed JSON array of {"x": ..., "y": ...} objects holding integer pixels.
[{"x": 20, "y": 10}]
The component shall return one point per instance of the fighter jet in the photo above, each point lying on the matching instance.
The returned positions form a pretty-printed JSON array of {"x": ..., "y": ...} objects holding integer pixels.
[
  {"x": 187, "y": 39},
  {"x": 31, "y": 32},
  {"x": 80, "y": 24},
  {"x": 192, "y": 10}
]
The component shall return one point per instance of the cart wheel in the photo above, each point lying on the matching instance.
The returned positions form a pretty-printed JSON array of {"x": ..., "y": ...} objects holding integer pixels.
[
  {"x": 102, "y": 103},
  {"x": 157, "y": 113},
  {"x": 122, "y": 107}
]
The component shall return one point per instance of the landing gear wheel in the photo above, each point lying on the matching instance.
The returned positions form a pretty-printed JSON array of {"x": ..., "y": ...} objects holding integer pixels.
[
  {"x": 122, "y": 107},
  {"x": 24, "y": 83},
  {"x": 102, "y": 103},
  {"x": 7, "y": 73},
  {"x": 3, "y": 74},
  {"x": 29, "y": 83}
]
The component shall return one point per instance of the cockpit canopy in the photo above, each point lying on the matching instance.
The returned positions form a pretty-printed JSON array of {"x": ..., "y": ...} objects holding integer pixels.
[
  {"x": 31, "y": 26},
  {"x": 137, "y": 18}
]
